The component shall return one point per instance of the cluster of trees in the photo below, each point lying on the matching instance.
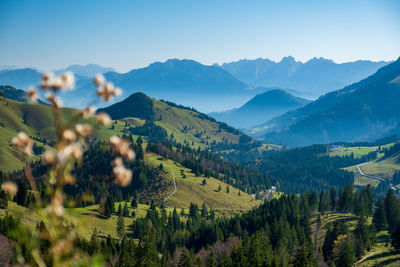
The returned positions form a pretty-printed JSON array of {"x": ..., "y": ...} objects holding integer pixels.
[
  {"x": 269, "y": 235},
  {"x": 308, "y": 168},
  {"x": 93, "y": 177}
]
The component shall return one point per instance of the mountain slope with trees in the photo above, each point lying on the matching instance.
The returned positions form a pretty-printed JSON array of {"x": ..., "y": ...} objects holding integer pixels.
[{"x": 363, "y": 111}]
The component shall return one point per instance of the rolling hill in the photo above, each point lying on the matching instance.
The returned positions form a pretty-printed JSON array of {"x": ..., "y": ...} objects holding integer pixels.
[
  {"x": 314, "y": 77},
  {"x": 363, "y": 111},
  {"x": 183, "y": 124},
  {"x": 260, "y": 108},
  {"x": 34, "y": 119}
]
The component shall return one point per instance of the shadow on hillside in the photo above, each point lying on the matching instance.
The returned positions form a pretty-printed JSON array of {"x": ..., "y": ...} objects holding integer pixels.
[{"x": 383, "y": 255}]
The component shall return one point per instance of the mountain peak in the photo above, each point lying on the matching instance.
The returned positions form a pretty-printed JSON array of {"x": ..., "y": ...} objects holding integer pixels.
[{"x": 288, "y": 59}]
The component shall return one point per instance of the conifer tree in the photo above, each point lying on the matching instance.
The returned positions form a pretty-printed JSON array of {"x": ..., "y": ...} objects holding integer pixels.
[
  {"x": 392, "y": 211},
  {"x": 379, "y": 218},
  {"x": 22, "y": 193},
  {"x": 125, "y": 211},
  {"x": 120, "y": 226}
]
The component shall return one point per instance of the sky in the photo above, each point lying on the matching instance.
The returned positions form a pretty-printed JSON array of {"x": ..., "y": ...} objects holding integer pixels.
[{"x": 132, "y": 34}]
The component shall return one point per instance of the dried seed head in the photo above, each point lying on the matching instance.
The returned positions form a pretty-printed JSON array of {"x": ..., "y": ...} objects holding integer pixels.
[
  {"x": 32, "y": 94},
  {"x": 23, "y": 143},
  {"x": 83, "y": 129},
  {"x": 10, "y": 188},
  {"x": 117, "y": 162},
  {"x": 87, "y": 112},
  {"x": 57, "y": 103},
  {"x": 103, "y": 118},
  {"x": 69, "y": 135},
  {"x": 49, "y": 156},
  {"x": 122, "y": 176},
  {"x": 99, "y": 79},
  {"x": 107, "y": 91},
  {"x": 67, "y": 80}
]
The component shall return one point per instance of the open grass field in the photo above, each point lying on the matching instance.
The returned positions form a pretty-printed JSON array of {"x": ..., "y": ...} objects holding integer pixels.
[
  {"x": 384, "y": 169},
  {"x": 357, "y": 151},
  {"x": 190, "y": 189}
]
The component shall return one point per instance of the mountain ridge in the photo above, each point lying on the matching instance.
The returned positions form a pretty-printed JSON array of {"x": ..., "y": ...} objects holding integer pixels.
[
  {"x": 263, "y": 106},
  {"x": 362, "y": 111}
]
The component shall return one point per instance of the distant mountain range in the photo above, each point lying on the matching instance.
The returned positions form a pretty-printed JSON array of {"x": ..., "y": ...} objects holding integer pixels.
[
  {"x": 260, "y": 108},
  {"x": 208, "y": 88},
  {"x": 363, "y": 111},
  {"x": 312, "y": 78},
  {"x": 89, "y": 70}
]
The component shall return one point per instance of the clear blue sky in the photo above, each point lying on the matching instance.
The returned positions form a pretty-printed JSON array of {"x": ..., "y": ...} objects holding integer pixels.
[{"x": 131, "y": 34}]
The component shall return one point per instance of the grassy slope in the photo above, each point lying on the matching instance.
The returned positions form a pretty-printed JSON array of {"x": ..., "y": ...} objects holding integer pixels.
[
  {"x": 34, "y": 119},
  {"x": 174, "y": 121},
  {"x": 190, "y": 189},
  {"x": 358, "y": 151},
  {"x": 381, "y": 168},
  {"x": 85, "y": 220}
]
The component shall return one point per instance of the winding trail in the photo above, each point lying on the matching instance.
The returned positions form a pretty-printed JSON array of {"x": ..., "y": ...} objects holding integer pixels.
[
  {"x": 173, "y": 193},
  {"x": 368, "y": 175}
]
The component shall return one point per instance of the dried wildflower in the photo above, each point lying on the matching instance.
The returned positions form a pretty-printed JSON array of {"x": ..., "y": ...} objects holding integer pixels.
[
  {"x": 83, "y": 129},
  {"x": 108, "y": 91},
  {"x": 65, "y": 81},
  {"x": 87, "y": 112},
  {"x": 122, "y": 147},
  {"x": 122, "y": 175},
  {"x": 103, "y": 118},
  {"x": 49, "y": 156},
  {"x": 23, "y": 143},
  {"x": 10, "y": 188},
  {"x": 69, "y": 135},
  {"x": 73, "y": 150},
  {"x": 99, "y": 79},
  {"x": 68, "y": 80},
  {"x": 57, "y": 103},
  {"x": 32, "y": 94},
  {"x": 62, "y": 247},
  {"x": 117, "y": 162},
  {"x": 46, "y": 79}
]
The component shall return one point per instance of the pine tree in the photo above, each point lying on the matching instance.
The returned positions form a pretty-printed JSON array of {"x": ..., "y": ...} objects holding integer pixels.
[
  {"x": 392, "y": 211},
  {"x": 22, "y": 193},
  {"x": 119, "y": 210},
  {"x": 186, "y": 259},
  {"x": 219, "y": 188},
  {"x": 314, "y": 201},
  {"x": 204, "y": 211},
  {"x": 211, "y": 260},
  {"x": 396, "y": 237},
  {"x": 3, "y": 200},
  {"x": 333, "y": 198},
  {"x": 379, "y": 218},
  {"x": 125, "y": 211},
  {"x": 134, "y": 203},
  {"x": 305, "y": 256},
  {"x": 227, "y": 189},
  {"x": 120, "y": 226}
]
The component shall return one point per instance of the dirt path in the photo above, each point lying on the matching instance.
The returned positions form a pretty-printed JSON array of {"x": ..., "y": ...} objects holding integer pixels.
[{"x": 173, "y": 193}]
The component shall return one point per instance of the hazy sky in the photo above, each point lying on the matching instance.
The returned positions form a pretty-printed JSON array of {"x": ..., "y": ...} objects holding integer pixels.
[{"x": 131, "y": 34}]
